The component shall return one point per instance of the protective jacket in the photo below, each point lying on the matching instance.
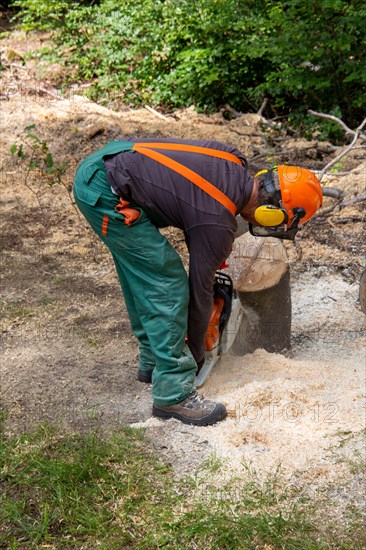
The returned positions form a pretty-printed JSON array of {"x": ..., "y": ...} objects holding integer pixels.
[{"x": 170, "y": 199}]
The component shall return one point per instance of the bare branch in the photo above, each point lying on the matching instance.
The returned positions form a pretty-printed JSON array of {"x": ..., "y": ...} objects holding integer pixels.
[
  {"x": 261, "y": 156},
  {"x": 332, "y": 192},
  {"x": 353, "y": 200},
  {"x": 345, "y": 151},
  {"x": 263, "y": 106},
  {"x": 322, "y": 214},
  {"x": 18, "y": 66},
  {"x": 347, "y": 220},
  {"x": 45, "y": 91},
  {"x": 228, "y": 108},
  {"x": 157, "y": 114},
  {"x": 316, "y": 172},
  {"x": 279, "y": 117},
  {"x": 336, "y": 119},
  {"x": 319, "y": 217}
]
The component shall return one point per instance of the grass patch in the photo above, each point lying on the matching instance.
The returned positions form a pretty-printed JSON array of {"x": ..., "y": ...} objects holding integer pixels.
[
  {"x": 358, "y": 463},
  {"x": 14, "y": 311},
  {"x": 111, "y": 492}
]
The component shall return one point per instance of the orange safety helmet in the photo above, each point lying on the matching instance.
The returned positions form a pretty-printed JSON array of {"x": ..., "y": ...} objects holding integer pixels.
[
  {"x": 300, "y": 187},
  {"x": 288, "y": 196}
]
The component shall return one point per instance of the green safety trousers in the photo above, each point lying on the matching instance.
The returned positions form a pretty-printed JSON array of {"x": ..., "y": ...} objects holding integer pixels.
[{"x": 152, "y": 277}]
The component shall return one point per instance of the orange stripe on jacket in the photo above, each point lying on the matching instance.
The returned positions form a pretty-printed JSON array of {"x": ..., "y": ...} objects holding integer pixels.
[
  {"x": 191, "y": 149},
  {"x": 189, "y": 175}
]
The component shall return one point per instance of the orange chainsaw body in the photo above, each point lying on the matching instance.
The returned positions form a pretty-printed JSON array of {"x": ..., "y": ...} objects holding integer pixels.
[
  {"x": 213, "y": 331},
  {"x": 225, "y": 321}
]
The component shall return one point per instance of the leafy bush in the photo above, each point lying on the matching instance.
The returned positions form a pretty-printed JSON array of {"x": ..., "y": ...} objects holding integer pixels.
[
  {"x": 36, "y": 154},
  {"x": 300, "y": 54}
]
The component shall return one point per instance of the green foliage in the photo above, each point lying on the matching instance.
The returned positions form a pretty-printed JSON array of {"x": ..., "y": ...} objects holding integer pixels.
[
  {"x": 298, "y": 53},
  {"x": 35, "y": 154},
  {"x": 318, "y": 58}
]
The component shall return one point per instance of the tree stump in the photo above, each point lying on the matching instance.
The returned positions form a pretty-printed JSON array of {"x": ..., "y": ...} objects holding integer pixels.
[
  {"x": 362, "y": 294},
  {"x": 267, "y": 319},
  {"x": 260, "y": 272}
]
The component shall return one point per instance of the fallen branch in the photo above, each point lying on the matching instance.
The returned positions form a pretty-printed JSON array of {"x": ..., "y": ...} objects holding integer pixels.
[
  {"x": 348, "y": 219},
  {"x": 263, "y": 106},
  {"x": 47, "y": 92},
  {"x": 279, "y": 117},
  {"x": 345, "y": 151},
  {"x": 331, "y": 192},
  {"x": 353, "y": 200},
  {"x": 334, "y": 173},
  {"x": 18, "y": 66},
  {"x": 157, "y": 114},
  {"x": 338, "y": 120},
  {"x": 229, "y": 109},
  {"x": 321, "y": 215},
  {"x": 265, "y": 155}
]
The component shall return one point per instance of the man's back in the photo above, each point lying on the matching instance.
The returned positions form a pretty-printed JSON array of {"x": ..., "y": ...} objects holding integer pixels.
[{"x": 176, "y": 200}]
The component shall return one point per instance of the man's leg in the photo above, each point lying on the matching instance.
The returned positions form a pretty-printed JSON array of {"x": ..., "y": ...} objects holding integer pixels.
[
  {"x": 157, "y": 281},
  {"x": 146, "y": 357},
  {"x": 158, "y": 285}
]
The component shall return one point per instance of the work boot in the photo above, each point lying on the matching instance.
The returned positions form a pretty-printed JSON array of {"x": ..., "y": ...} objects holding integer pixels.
[
  {"x": 144, "y": 376},
  {"x": 193, "y": 410}
]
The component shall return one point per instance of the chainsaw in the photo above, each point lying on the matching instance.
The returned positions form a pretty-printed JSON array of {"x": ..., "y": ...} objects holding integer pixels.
[{"x": 225, "y": 321}]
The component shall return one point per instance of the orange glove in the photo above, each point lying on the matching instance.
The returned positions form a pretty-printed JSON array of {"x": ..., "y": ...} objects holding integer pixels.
[{"x": 130, "y": 214}]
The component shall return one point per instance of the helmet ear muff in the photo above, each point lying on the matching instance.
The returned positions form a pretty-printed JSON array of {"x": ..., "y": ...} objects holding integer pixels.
[
  {"x": 270, "y": 216},
  {"x": 270, "y": 213}
]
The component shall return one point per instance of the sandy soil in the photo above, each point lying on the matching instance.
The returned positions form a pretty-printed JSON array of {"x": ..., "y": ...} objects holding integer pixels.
[{"x": 68, "y": 354}]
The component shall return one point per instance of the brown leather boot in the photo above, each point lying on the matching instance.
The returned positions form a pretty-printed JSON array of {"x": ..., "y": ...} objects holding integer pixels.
[{"x": 193, "y": 410}]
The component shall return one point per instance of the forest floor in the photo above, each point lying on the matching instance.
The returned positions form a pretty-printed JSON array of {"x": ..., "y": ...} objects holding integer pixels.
[{"x": 68, "y": 354}]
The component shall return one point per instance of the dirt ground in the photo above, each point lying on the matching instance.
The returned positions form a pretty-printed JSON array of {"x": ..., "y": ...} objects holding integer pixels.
[{"x": 68, "y": 355}]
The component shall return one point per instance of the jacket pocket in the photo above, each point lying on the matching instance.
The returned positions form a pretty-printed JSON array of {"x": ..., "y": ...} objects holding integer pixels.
[{"x": 86, "y": 195}]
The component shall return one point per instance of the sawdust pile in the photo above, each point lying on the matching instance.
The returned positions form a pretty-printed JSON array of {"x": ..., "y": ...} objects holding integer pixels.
[{"x": 290, "y": 412}]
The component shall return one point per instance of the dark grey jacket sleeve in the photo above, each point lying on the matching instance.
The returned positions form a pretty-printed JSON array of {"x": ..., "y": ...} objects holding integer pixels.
[{"x": 208, "y": 246}]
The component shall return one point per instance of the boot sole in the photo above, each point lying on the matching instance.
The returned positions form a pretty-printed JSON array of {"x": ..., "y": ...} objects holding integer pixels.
[{"x": 212, "y": 418}]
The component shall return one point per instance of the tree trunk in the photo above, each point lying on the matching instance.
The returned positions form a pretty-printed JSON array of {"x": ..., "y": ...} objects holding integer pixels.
[{"x": 267, "y": 319}]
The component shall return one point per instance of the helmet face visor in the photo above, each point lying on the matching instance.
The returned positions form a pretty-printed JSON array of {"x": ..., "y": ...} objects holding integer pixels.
[{"x": 279, "y": 232}]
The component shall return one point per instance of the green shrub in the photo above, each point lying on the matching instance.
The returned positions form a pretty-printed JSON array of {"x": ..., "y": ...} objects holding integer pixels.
[{"x": 298, "y": 53}]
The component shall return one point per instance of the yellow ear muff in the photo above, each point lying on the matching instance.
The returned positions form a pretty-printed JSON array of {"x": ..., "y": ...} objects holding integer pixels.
[{"x": 269, "y": 215}]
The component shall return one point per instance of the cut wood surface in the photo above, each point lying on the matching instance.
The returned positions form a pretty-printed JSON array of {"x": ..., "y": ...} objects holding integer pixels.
[{"x": 257, "y": 263}]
